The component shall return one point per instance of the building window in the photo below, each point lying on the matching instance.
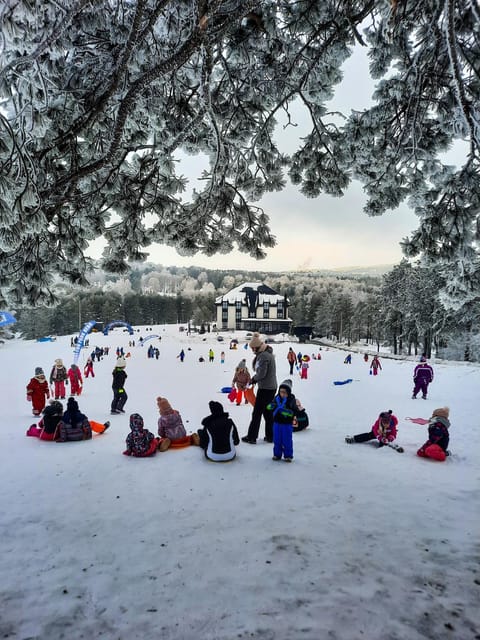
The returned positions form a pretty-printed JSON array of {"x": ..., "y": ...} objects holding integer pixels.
[
  {"x": 280, "y": 310},
  {"x": 266, "y": 310},
  {"x": 252, "y": 313}
]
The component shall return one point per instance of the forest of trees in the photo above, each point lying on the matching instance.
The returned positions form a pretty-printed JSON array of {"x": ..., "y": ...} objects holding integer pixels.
[{"x": 401, "y": 309}]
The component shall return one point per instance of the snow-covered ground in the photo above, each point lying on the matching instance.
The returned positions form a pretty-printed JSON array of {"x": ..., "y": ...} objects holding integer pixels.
[{"x": 348, "y": 542}]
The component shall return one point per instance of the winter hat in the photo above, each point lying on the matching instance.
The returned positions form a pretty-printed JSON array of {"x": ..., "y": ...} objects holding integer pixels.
[
  {"x": 73, "y": 366},
  {"x": 136, "y": 422},
  {"x": 216, "y": 408},
  {"x": 287, "y": 385},
  {"x": 385, "y": 415},
  {"x": 442, "y": 412},
  {"x": 256, "y": 341},
  {"x": 72, "y": 405},
  {"x": 121, "y": 362},
  {"x": 423, "y": 359},
  {"x": 242, "y": 364},
  {"x": 59, "y": 362},
  {"x": 39, "y": 371},
  {"x": 164, "y": 406}
]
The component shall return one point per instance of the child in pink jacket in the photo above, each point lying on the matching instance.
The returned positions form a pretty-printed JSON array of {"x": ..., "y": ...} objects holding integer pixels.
[
  {"x": 384, "y": 430},
  {"x": 170, "y": 428}
]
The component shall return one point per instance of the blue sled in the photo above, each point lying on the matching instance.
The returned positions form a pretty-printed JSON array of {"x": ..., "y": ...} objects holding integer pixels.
[{"x": 337, "y": 382}]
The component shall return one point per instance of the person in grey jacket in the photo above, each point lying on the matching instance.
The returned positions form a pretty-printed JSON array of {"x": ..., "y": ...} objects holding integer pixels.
[{"x": 265, "y": 377}]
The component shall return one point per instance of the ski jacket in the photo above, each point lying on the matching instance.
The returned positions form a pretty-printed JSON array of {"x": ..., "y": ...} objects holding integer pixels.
[
  {"x": 58, "y": 374},
  {"x": 423, "y": 371},
  {"x": 170, "y": 426},
  {"x": 265, "y": 375},
  {"x": 241, "y": 378},
  {"x": 119, "y": 377},
  {"x": 438, "y": 432},
  {"x": 388, "y": 433},
  {"x": 284, "y": 409},
  {"x": 139, "y": 440},
  {"x": 219, "y": 437}
]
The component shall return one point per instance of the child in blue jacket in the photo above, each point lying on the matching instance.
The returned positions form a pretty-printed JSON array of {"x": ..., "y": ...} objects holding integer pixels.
[{"x": 284, "y": 408}]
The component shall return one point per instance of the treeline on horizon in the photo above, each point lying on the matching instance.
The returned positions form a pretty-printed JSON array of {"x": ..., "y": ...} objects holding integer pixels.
[{"x": 401, "y": 309}]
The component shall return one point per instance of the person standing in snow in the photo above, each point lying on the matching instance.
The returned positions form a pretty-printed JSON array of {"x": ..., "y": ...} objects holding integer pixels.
[
  {"x": 283, "y": 408},
  {"x": 292, "y": 359},
  {"x": 76, "y": 382},
  {"x": 265, "y": 377},
  {"x": 375, "y": 365},
  {"x": 422, "y": 376},
  {"x": 38, "y": 391},
  {"x": 88, "y": 369},
  {"x": 241, "y": 379},
  {"x": 58, "y": 377},
  {"x": 118, "y": 386}
]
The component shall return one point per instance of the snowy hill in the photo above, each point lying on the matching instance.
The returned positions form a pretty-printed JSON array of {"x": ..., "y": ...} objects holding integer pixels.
[{"x": 348, "y": 542}]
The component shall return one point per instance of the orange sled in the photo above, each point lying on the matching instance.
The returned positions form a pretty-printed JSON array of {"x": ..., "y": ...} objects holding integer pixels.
[{"x": 250, "y": 396}]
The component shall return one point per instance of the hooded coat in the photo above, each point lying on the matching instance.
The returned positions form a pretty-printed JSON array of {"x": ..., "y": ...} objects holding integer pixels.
[
  {"x": 74, "y": 424},
  {"x": 219, "y": 435},
  {"x": 141, "y": 442}
]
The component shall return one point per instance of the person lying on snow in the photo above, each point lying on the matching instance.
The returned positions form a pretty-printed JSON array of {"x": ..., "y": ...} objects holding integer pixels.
[{"x": 438, "y": 436}]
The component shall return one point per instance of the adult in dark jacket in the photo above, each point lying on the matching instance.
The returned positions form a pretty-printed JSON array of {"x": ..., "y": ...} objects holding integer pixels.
[
  {"x": 422, "y": 376},
  {"x": 219, "y": 435},
  {"x": 118, "y": 386},
  {"x": 265, "y": 377}
]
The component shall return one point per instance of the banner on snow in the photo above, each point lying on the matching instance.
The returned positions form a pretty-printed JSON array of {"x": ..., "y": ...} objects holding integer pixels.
[{"x": 87, "y": 327}]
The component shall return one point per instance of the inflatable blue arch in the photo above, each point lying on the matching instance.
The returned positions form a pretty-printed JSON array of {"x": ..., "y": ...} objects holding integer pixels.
[{"x": 118, "y": 323}]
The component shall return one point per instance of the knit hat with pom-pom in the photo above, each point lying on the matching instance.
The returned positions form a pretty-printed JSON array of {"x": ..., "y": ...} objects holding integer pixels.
[
  {"x": 442, "y": 412},
  {"x": 256, "y": 341},
  {"x": 164, "y": 406}
]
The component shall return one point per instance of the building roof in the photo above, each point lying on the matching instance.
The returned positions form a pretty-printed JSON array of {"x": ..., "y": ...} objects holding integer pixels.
[{"x": 244, "y": 292}]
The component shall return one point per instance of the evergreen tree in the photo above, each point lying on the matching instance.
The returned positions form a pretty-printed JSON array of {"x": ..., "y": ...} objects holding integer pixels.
[{"x": 98, "y": 98}]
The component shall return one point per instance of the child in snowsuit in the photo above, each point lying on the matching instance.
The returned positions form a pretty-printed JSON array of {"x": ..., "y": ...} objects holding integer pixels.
[
  {"x": 118, "y": 386},
  {"x": 422, "y": 376},
  {"x": 76, "y": 382},
  {"x": 181, "y": 355},
  {"x": 88, "y": 370},
  {"x": 241, "y": 379},
  {"x": 141, "y": 443},
  {"x": 219, "y": 435},
  {"x": 348, "y": 359},
  {"x": 438, "y": 436},
  {"x": 292, "y": 359},
  {"x": 375, "y": 365},
  {"x": 47, "y": 427},
  {"x": 304, "y": 368},
  {"x": 58, "y": 377},
  {"x": 384, "y": 430},
  {"x": 283, "y": 408},
  {"x": 38, "y": 391},
  {"x": 170, "y": 428},
  {"x": 211, "y": 355}
]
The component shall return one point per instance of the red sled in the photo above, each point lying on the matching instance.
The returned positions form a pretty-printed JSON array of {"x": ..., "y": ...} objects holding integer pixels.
[
  {"x": 232, "y": 396},
  {"x": 250, "y": 396}
]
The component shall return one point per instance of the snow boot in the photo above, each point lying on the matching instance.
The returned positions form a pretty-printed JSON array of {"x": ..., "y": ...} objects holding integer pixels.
[{"x": 349, "y": 439}]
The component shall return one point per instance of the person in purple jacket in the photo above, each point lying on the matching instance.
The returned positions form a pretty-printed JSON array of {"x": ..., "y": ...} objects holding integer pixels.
[{"x": 422, "y": 376}]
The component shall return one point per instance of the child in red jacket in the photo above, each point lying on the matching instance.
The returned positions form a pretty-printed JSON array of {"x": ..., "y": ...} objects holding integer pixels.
[{"x": 38, "y": 392}]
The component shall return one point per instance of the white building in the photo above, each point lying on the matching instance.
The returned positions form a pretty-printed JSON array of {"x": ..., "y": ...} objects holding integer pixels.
[{"x": 253, "y": 306}]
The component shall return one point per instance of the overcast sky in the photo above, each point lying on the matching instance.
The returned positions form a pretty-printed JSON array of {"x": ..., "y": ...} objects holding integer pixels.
[{"x": 319, "y": 233}]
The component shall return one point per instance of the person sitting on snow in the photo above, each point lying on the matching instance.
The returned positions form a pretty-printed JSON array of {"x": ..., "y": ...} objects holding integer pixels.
[
  {"x": 75, "y": 425},
  {"x": 141, "y": 443},
  {"x": 219, "y": 435},
  {"x": 170, "y": 428},
  {"x": 384, "y": 430},
  {"x": 438, "y": 436}
]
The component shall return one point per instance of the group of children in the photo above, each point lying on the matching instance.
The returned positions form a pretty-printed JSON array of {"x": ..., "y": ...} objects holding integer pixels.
[{"x": 218, "y": 435}]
